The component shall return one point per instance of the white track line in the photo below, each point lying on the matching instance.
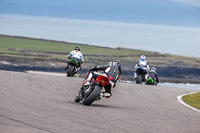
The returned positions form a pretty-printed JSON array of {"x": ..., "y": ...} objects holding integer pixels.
[
  {"x": 179, "y": 98},
  {"x": 48, "y": 73}
]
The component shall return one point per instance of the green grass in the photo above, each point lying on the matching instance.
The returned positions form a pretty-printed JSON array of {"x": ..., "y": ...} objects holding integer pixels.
[
  {"x": 19, "y": 47},
  {"x": 193, "y": 100},
  {"x": 38, "y": 45},
  {"x": 7, "y": 43}
]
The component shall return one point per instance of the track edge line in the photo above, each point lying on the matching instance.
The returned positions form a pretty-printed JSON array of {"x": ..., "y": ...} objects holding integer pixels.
[{"x": 179, "y": 98}]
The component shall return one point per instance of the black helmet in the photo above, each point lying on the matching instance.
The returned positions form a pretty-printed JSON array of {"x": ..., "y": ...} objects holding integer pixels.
[
  {"x": 77, "y": 48},
  {"x": 113, "y": 63}
]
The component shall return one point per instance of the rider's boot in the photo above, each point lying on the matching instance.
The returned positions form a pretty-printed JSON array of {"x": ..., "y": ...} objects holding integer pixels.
[
  {"x": 105, "y": 94},
  {"x": 135, "y": 76},
  {"x": 146, "y": 77},
  {"x": 66, "y": 66},
  {"x": 77, "y": 98}
]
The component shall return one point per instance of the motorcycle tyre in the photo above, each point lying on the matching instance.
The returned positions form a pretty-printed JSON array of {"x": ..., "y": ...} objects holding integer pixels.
[
  {"x": 139, "y": 79},
  {"x": 70, "y": 71},
  {"x": 92, "y": 96}
]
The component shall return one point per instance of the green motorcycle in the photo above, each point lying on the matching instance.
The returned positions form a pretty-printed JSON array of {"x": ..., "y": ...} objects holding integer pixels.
[
  {"x": 72, "y": 68},
  {"x": 151, "y": 81}
]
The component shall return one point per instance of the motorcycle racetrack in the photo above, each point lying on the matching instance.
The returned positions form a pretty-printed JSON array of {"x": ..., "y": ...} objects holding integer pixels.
[{"x": 36, "y": 103}]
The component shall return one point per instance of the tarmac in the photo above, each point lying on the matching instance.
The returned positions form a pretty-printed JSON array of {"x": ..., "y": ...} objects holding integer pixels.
[{"x": 38, "y": 103}]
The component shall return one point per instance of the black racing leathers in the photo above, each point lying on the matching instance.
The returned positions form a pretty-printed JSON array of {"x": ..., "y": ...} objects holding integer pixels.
[{"x": 112, "y": 72}]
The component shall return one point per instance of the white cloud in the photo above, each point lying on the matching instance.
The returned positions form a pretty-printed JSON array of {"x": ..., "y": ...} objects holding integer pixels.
[{"x": 195, "y": 3}]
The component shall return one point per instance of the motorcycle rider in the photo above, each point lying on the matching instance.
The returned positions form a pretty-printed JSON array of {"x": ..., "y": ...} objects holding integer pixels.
[
  {"x": 153, "y": 75},
  {"x": 116, "y": 63},
  {"x": 112, "y": 71},
  {"x": 75, "y": 54},
  {"x": 142, "y": 62}
]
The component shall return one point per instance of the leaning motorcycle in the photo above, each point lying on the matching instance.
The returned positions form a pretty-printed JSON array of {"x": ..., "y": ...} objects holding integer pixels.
[
  {"x": 92, "y": 92},
  {"x": 151, "y": 80},
  {"x": 72, "y": 68},
  {"x": 141, "y": 72}
]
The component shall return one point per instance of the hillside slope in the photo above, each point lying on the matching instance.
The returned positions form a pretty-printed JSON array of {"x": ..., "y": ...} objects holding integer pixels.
[{"x": 22, "y": 54}]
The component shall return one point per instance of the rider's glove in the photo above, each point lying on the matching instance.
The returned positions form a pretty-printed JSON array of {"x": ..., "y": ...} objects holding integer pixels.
[
  {"x": 94, "y": 68},
  {"x": 114, "y": 85}
]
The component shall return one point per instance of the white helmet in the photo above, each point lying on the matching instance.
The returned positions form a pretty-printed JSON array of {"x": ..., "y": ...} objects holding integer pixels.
[{"x": 143, "y": 57}]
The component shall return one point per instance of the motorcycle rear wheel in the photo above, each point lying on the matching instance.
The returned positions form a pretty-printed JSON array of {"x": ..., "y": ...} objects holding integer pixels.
[
  {"x": 89, "y": 99},
  {"x": 139, "y": 79},
  {"x": 70, "y": 71}
]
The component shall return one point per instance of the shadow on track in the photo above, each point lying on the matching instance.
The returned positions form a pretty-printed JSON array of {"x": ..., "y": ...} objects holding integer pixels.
[{"x": 95, "y": 105}]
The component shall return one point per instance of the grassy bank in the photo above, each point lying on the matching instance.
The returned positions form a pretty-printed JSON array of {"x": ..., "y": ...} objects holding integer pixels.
[
  {"x": 47, "y": 49},
  {"x": 29, "y": 52},
  {"x": 7, "y": 43},
  {"x": 30, "y": 48},
  {"x": 192, "y": 100}
]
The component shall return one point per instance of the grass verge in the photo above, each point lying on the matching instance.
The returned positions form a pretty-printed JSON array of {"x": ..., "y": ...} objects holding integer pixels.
[{"x": 192, "y": 100}]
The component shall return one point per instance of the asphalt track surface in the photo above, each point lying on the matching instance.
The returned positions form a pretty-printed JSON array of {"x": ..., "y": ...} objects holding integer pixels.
[{"x": 34, "y": 103}]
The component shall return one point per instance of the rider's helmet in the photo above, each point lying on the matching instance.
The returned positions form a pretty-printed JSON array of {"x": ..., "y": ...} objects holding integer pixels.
[
  {"x": 77, "y": 48},
  {"x": 117, "y": 61},
  {"x": 143, "y": 57},
  {"x": 113, "y": 63}
]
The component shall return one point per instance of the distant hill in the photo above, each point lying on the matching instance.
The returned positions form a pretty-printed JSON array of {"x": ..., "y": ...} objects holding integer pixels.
[
  {"x": 23, "y": 54},
  {"x": 162, "y": 12}
]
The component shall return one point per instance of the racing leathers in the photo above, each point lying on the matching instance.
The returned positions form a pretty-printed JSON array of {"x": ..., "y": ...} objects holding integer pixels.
[
  {"x": 75, "y": 54},
  {"x": 143, "y": 64},
  {"x": 112, "y": 72}
]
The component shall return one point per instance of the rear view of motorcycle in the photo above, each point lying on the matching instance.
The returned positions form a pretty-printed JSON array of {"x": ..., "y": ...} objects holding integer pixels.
[
  {"x": 141, "y": 72},
  {"x": 72, "y": 68},
  {"x": 92, "y": 92}
]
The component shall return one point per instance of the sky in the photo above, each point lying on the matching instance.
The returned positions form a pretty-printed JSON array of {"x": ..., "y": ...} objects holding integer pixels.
[
  {"x": 154, "y": 24},
  {"x": 161, "y": 12},
  {"x": 189, "y": 2}
]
